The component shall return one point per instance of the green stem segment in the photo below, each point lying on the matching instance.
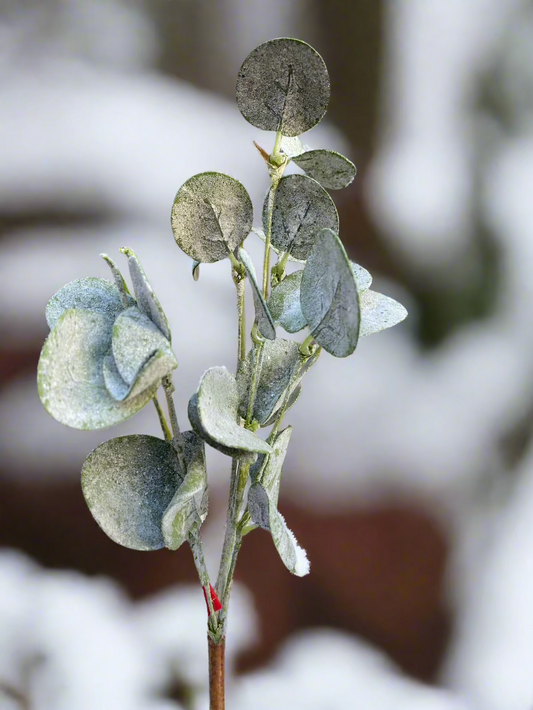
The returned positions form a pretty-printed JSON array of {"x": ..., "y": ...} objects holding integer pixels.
[
  {"x": 177, "y": 439},
  {"x": 241, "y": 315},
  {"x": 162, "y": 420},
  {"x": 199, "y": 561}
]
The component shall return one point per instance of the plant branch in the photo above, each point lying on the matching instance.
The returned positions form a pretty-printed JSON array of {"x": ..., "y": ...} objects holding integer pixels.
[
  {"x": 195, "y": 543},
  {"x": 177, "y": 439},
  {"x": 217, "y": 653},
  {"x": 241, "y": 315},
  {"x": 162, "y": 420},
  {"x": 276, "y": 172}
]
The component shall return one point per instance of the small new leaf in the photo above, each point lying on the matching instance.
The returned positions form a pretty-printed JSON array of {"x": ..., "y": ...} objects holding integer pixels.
[
  {"x": 188, "y": 507},
  {"x": 283, "y": 85},
  {"x": 329, "y": 296},
  {"x": 147, "y": 301},
  {"x": 128, "y": 484},
  {"x": 379, "y": 312},
  {"x": 284, "y": 303},
  {"x": 301, "y": 209},
  {"x": 329, "y": 168},
  {"x": 264, "y": 319},
  {"x": 211, "y": 216}
]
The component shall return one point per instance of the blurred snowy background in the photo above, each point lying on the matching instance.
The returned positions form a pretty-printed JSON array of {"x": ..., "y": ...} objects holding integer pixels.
[{"x": 410, "y": 474}]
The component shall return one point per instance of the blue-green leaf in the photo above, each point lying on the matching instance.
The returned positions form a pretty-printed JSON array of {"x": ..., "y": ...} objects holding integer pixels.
[
  {"x": 264, "y": 319},
  {"x": 90, "y": 294},
  {"x": 329, "y": 168}
]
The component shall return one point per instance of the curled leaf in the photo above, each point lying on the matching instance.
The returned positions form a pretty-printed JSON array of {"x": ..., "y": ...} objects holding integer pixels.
[
  {"x": 271, "y": 477},
  {"x": 211, "y": 216},
  {"x": 301, "y": 209},
  {"x": 213, "y": 414},
  {"x": 329, "y": 168},
  {"x": 283, "y": 85},
  {"x": 264, "y": 512},
  {"x": 120, "y": 283},
  {"x": 329, "y": 296},
  {"x": 188, "y": 507},
  {"x": 284, "y": 303},
  {"x": 70, "y": 374},
  {"x": 293, "y": 398},
  {"x": 147, "y": 301},
  {"x": 128, "y": 484},
  {"x": 379, "y": 312},
  {"x": 90, "y": 294},
  {"x": 264, "y": 319},
  {"x": 279, "y": 360}
]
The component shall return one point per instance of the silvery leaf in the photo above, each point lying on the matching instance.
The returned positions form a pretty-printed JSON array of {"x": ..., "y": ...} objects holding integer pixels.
[
  {"x": 70, "y": 374},
  {"x": 195, "y": 269},
  {"x": 293, "y": 398},
  {"x": 363, "y": 279},
  {"x": 262, "y": 314},
  {"x": 90, "y": 294},
  {"x": 329, "y": 168},
  {"x": 135, "y": 344},
  {"x": 120, "y": 283},
  {"x": 292, "y": 146},
  {"x": 261, "y": 235},
  {"x": 284, "y": 303},
  {"x": 147, "y": 301},
  {"x": 264, "y": 513},
  {"x": 189, "y": 504},
  {"x": 211, "y": 216},
  {"x": 213, "y": 415},
  {"x": 329, "y": 296},
  {"x": 379, "y": 312},
  {"x": 158, "y": 365},
  {"x": 301, "y": 209},
  {"x": 271, "y": 478},
  {"x": 283, "y": 85},
  {"x": 279, "y": 360},
  {"x": 128, "y": 484}
]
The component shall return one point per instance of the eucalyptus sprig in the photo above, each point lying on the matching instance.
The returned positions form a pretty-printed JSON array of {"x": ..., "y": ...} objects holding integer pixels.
[{"x": 109, "y": 352}]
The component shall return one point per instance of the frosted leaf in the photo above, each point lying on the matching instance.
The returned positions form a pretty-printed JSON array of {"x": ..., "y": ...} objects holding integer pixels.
[
  {"x": 136, "y": 340},
  {"x": 147, "y": 301},
  {"x": 261, "y": 235},
  {"x": 363, "y": 279},
  {"x": 271, "y": 479},
  {"x": 329, "y": 168},
  {"x": 379, "y": 312},
  {"x": 279, "y": 359},
  {"x": 128, "y": 483},
  {"x": 70, "y": 374},
  {"x": 264, "y": 513},
  {"x": 189, "y": 504},
  {"x": 292, "y": 146},
  {"x": 301, "y": 209},
  {"x": 262, "y": 314},
  {"x": 195, "y": 269},
  {"x": 284, "y": 303},
  {"x": 91, "y": 294},
  {"x": 293, "y": 398},
  {"x": 283, "y": 85},
  {"x": 159, "y": 365},
  {"x": 120, "y": 283},
  {"x": 213, "y": 414},
  {"x": 329, "y": 296},
  {"x": 212, "y": 215}
]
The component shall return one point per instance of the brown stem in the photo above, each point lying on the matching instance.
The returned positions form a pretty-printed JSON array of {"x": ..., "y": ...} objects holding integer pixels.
[{"x": 217, "y": 700}]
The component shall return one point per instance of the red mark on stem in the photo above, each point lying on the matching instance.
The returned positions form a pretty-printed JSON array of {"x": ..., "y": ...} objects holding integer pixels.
[{"x": 217, "y": 606}]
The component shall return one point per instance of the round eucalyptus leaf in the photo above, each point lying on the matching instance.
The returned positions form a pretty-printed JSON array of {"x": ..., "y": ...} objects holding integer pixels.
[
  {"x": 70, "y": 374},
  {"x": 379, "y": 312},
  {"x": 329, "y": 168},
  {"x": 264, "y": 513},
  {"x": 90, "y": 294},
  {"x": 279, "y": 359},
  {"x": 264, "y": 319},
  {"x": 128, "y": 484},
  {"x": 147, "y": 301},
  {"x": 301, "y": 209},
  {"x": 271, "y": 478},
  {"x": 136, "y": 339},
  {"x": 283, "y": 85},
  {"x": 217, "y": 412},
  {"x": 329, "y": 296},
  {"x": 120, "y": 283},
  {"x": 363, "y": 278},
  {"x": 211, "y": 216},
  {"x": 284, "y": 303},
  {"x": 188, "y": 507}
]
